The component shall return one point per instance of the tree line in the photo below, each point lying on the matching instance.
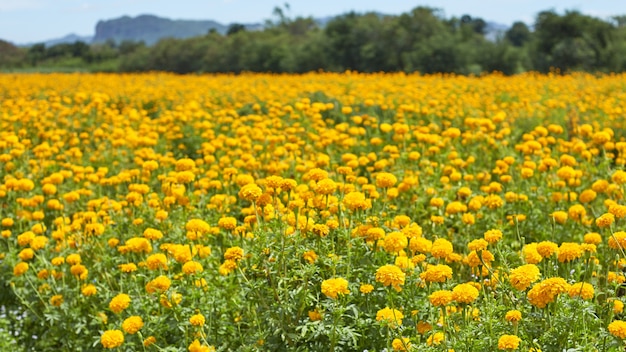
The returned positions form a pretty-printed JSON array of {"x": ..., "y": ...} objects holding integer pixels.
[{"x": 421, "y": 40}]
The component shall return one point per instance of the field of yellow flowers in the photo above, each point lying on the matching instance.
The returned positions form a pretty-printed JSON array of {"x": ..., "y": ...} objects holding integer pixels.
[{"x": 314, "y": 212}]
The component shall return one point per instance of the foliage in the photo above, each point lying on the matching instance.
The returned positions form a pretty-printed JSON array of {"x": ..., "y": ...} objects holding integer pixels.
[{"x": 316, "y": 212}]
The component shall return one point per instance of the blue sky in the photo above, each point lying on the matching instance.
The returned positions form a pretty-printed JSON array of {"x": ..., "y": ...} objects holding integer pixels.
[{"x": 27, "y": 21}]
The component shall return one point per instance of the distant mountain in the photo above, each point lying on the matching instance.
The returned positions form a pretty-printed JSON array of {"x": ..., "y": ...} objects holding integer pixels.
[
  {"x": 69, "y": 39},
  {"x": 151, "y": 29}
]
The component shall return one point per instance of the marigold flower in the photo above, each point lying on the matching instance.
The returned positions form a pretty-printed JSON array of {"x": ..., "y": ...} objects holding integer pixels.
[
  {"x": 544, "y": 292},
  {"x": 493, "y": 236},
  {"x": 234, "y": 253},
  {"x": 435, "y": 339},
  {"x": 436, "y": 273},
  {"x": 390, "y": 275},
  {"x": 618, "y": 240},
  {"x": 157, "y": 261},
  {"x": 192, "y": 267},
  {"x": 160, "y": 283},
  {"x": 56, "y": 300},
  {"x": 250, "y": 192},
  {"x": 508, "y": 342},
  {"x": 402, "y": 344},
  {"x": 465, "y": 293},
  {"x": 197, "y": 320},
  {"x": 336, "y": 286},
  {"x": 618, "y": 306},
  {"x": 522, "y": 276},
  {"x": 605, "y": 220},
  {"x": 569, "y": 251},
  {"x": 366, "y": 288},
  {"x": 89, "y": 290},
  {"x": 618, "y": 329},
  {"x": 390, "y": 317},
  {"x": 119, "y": 303},
  {"x": 310, "y": 256},
  {"x": 112, "y": 339},
  {"x": 440, "y": 298},
  {"x": 315, "y": 315},
  {"x": 385, "y": 180},
  {"x": 582, "y": 289},
  {"x": 441, "y": 248},
  {"x": 196, "y": 346},
  {"x": 395, "y": 242},
  {"x": 132, "y": 324},
  {"x": 513, "y": 316},
  {"x": 356, "y": 201}
]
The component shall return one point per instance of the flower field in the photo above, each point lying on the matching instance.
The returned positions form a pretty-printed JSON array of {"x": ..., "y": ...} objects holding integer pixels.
[{"x": 314, "y": 212}]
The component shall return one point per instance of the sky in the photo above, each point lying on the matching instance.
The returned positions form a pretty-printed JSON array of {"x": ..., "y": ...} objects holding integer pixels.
[{"x": 29, "y": 21}]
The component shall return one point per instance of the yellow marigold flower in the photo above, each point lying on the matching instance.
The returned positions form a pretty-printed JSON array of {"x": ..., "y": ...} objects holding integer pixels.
[
  {"x": 196, "y": 346},
  {"x": 436, "y": 202},
  {"x": 356, "y": 201},
  {"x": 234, "y": 253},
  {"x": 79, "y": 271},
  {"x": 436, "y": 273},
  {"x": 531, "y": 255},
  {"x": 366, "y": 288},
  {"x": 619, "y": 177},
  {"x": 618, "y": 240},
  {"x": 403, "y": 344},
  {"x": 465, "y": 293},
  {"x": 56, "y": 300},
  {"x": 26, "y": 254},
  {"x": 513, "y": 316},
  {"x": 128, "y": 268},
  {"x": 315, "y": 315},
  {"x": 227, "y": 223},
  {"x": 521, "y": 277},
  {"x": 139, "y": 245},
  {"x": 569, "y": 251},
  {"x": 326, "y": 186},
  {"x": 605, "y": 220},
  {"x": 73, "y": 259},
  {"x": 132, "y": 324},
  {"x": 435, "y": 339},
  {"x": 477, "y": 245},
  {"x": 390, "y": 317},
  {"x": 197, "y": 225},
  {"x": 157, "y": 261},
  {"x": 112, "y": 339},
  {"x": 192, "y": 267},
  {"x": 197, "y": 320},
  {"x": 227, "y": 267},
  {"x": 390, "y": 275},
  {"x": 152, "y": 234},
  {"x": 440, "y": 298},
  {"x": 420, "y": 244},
  {"x": 250, "y": 192},
  {"x": 493, "y": 201},
  {"x": 618, "y": 329},
  {"x": 592, "y": 238},
  {"x": 160, "y": 283},
  {"x": 544, "y": 292},
  {"x": 385, "y": 180},
  {"x": 321, "y": 230},
  {"x": 559, "y": 216},
  {"x": 587, "y": 196},
  {"x": 89, "y": 290},
  {"x": 493, "y": 236},
  {"x": 441, "y": 248},
  {"x": 25, "y": 238},
  {"x": 423, "y": 327},
  {"x": 582, "y": 289},
  {"x": 508, "y": 342},
  {"x": 618, "y": 306},
  {"x": 7, "y": 222},
  {"x": 310, "y": 256},
  {"x": 547, "y": 248},
  {"x": 395, "y": 242},
  {"x": 119, "y": 303},
  {"x": 336, "y": 286}
]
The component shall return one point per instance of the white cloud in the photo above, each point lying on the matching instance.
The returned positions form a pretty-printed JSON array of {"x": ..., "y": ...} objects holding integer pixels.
[{"x": 12, "y": 5}]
